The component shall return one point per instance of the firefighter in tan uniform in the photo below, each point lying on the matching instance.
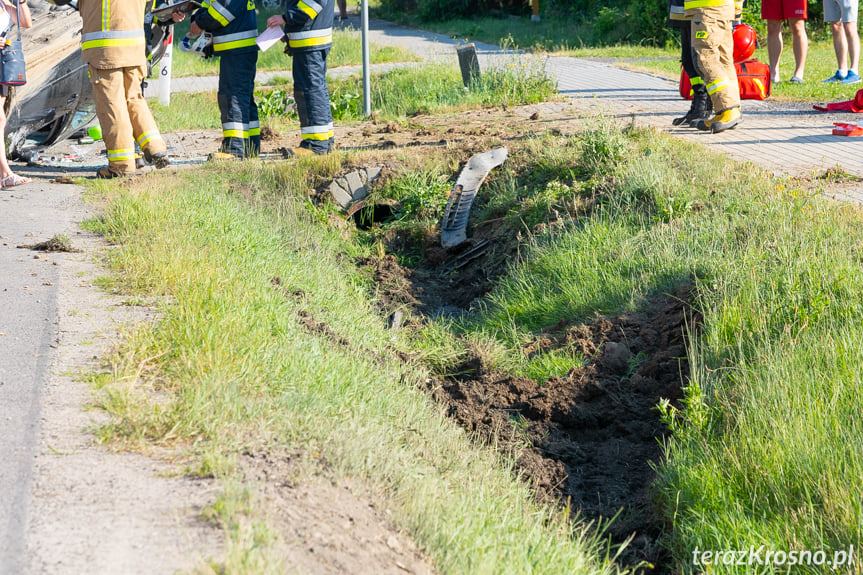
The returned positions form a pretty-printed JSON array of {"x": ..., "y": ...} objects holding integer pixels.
[
  {"x": 713, "y": 47},
  {"x": 113, "y": 46}
]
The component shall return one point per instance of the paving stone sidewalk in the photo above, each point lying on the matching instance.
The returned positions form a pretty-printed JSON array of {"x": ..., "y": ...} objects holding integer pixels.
[{"x": 789, "y": 139}]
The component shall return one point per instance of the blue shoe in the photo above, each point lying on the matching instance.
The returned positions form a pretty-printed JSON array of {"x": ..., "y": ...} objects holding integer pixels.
[
  {"x": 837, "y": 77},
  {"x": 851, "y": 78}
]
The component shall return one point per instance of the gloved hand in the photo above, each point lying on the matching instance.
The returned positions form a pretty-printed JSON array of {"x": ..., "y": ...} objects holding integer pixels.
[{"x": 208, "y": 51}]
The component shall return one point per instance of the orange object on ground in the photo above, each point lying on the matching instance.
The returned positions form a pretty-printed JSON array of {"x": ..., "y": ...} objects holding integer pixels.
[
  {"x": 753, "y": 80},
  {"x": 847, "y": 129}
]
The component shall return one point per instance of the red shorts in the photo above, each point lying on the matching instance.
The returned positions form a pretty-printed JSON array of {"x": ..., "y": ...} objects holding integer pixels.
[{"x": 783, "y": 9}]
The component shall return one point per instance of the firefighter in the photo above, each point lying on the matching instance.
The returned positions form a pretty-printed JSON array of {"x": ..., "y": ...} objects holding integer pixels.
[
  {"x": 701, "y": 107},
  {"x": 308, "y": 28},
  {"x": 234, "y": 27},
  {"x": 112, "y": 45},
  {"x": 713, "y": 45}
]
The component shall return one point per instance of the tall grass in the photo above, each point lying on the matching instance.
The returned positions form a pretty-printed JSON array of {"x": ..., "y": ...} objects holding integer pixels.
[
  {"x": 431, "y": 89},
  {"x": 416, "y": 89},
  {"x": 233, "y": 363}
]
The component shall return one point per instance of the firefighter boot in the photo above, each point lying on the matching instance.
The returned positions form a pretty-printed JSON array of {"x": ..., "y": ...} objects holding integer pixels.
[
  {"x": 700, "y": 109},
  {"x": 724, "y": 120}
]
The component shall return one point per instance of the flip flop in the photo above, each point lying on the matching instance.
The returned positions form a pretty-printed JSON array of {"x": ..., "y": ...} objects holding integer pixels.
[{"x": 14, "y": 180}]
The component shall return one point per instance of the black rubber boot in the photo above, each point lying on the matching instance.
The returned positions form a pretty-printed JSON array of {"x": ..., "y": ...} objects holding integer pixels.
[{"x": 700, "y": 109}]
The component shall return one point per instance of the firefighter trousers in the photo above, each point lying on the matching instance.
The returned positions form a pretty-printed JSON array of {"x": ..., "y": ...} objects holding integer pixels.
[
  {"x": 124, "y": 116},
  {"x": 241, "y": 128},
  {"x": 713, "y": 47},
  {"x": 313, "y": 100}
]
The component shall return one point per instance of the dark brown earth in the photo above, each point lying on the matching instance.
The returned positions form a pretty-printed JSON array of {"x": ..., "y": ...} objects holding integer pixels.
[{"x": 587, "y": 440}]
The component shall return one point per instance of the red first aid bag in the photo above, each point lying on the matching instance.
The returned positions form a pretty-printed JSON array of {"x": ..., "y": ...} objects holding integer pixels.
[{"x": 753, "y": 79}]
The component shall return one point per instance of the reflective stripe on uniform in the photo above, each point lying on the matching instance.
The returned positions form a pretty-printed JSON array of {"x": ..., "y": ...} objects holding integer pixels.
[
  {"x": 147, "y": 136},
  {"x": 317, "y": 132},
  {"x": 219, "y": 13},
  {"x": 717, "y": 86},
  {"x": 310, "y": 7},
  {"x": 310, "y": 38},
  {"x": 689, "y": 4},
  {"x": 254, "y": 128},
  {"x": 696, "y": 81},
  {"x": 231, "y": 41},
  {"x": 676, "y": 13},
  {"x": 120, "y": 155},
  {"x": 233, "y": 130},
  {"x": 107, "y": 38}
]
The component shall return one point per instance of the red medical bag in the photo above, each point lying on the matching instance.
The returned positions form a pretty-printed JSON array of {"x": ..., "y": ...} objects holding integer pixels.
[{"x": 753, "y": 78}]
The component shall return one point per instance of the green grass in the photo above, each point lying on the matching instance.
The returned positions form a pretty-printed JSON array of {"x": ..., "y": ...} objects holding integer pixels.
[
  {"x": 231, "y": 367},
  {"x": 395, "y": 94}
]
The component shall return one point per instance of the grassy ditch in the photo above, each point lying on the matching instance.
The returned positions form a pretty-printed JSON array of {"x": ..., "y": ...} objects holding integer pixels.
[
  {"x": 764, "y": 450},
  {"x": 270, "y": 342},
  {"x": 274, "y": 340}
]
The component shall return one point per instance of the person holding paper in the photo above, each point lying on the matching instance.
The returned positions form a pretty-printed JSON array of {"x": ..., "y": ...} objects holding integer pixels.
[
  {"x": 308, "y": 26},
  {"x": 234, "y": 27}
]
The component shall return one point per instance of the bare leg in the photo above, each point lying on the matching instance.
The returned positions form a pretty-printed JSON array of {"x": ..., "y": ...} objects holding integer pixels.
[
  {"x": 5, "y": 170},
  {"x": 800, "y": 43},
  {"x": 7, "y": 176},
  {"x": 840, "y": 46},
  {"x": 853, "y": 42},
  {"x": 343, "y": 9},
  {"x": 774, "y": 47}
]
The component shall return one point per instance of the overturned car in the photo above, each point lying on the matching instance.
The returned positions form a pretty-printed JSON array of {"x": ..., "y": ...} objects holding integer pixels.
[{"x": 57, "y": 99}]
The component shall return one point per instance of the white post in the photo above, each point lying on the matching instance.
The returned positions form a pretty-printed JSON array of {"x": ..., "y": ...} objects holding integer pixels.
[
  {"x": 165, "y": 71},
  {"x": 367, "y": 97}
]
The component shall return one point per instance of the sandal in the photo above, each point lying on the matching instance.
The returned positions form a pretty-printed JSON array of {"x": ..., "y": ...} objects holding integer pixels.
[{"x": 14, "y": 180}]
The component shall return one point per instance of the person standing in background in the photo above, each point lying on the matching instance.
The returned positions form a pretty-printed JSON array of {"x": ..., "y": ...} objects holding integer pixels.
[
  {"x": 309, "y": 30},
  {"x": 713, "y": 44},
  {"x": 113, "y": 46},
  {"x": 775, "y": 11},
  {"x": 842, "y": 15},
  {"x": 701, "y": 107},
  {"x": 234, "y": 26},
  {"x": 8, "y": 20}
]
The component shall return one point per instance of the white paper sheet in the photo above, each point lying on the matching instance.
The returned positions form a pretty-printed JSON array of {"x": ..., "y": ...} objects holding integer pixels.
[{"x": 268, "y": 37}]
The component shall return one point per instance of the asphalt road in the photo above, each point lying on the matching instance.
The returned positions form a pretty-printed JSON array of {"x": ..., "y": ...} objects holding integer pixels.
[{"x": 29, "y": 214}]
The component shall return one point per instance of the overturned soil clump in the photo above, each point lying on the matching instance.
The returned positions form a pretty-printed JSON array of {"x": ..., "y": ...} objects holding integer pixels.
[{"x": 587, "y": 440}]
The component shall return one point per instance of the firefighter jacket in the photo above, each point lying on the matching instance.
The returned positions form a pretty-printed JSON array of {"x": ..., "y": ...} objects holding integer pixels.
[
  {"x": 232, "y": 23},
  {"x": 694, "y": 4},
  {"x": 309, "y": 24},
  {"x": 113, "y": 33}
]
